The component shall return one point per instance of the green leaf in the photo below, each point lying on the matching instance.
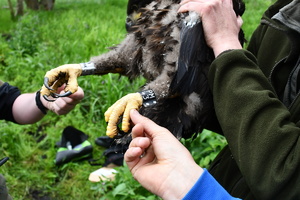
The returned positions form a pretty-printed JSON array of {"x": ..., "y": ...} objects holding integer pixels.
[{"x": 120, "y": 189}]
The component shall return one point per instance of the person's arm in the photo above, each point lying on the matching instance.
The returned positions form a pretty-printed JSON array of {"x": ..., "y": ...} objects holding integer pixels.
[
  {"x": 165, "y": 167},
  {"x": 26, "y": 111},
  {"x": 263, "y": 140},
  {"x": 257, "y": 126}
]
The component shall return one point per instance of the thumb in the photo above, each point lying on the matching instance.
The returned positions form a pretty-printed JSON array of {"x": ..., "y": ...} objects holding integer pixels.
[
  {"x": 137, "y": 118},
  {"x": 150, "y": 127}
]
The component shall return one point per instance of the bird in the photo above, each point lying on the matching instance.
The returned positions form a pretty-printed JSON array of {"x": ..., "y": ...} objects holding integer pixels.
[{"x": 169, "y": 50}]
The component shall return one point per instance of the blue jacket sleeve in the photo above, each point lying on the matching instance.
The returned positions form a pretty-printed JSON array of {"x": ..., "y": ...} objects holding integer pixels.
[{"x": 207, "y": 188}]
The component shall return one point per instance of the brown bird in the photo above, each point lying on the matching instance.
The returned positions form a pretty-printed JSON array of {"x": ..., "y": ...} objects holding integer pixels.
[{"x": 169, "y": 50}]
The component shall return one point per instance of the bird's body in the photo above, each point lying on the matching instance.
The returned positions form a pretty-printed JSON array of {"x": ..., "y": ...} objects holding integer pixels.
[{"x": 168, "y": 49}]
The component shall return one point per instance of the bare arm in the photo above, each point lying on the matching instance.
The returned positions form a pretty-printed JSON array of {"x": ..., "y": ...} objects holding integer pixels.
[{"x": 25, "y": 110}]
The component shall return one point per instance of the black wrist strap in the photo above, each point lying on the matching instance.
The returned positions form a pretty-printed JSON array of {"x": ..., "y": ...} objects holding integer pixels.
[
  {"x": 39, "y": 103},
  {"x": 149, "y": 98}
]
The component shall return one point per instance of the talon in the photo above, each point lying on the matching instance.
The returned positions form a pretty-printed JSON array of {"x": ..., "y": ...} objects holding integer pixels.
[
  {"x": 119, "y": 135},
  {"x": 54, "y": 95},
  {"x": 47, "y": 99},
  {"x": 64, "y": 94},
  {"x": 121, "y": 108},
  {"x": 46, "y": 80}
]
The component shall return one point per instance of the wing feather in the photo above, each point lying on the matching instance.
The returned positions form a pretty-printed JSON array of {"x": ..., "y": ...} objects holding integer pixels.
[{"x": 194, "y": 56}]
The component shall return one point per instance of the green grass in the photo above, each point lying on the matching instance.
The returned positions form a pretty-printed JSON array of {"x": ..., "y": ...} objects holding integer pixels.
[
  {"x": 72, "y": 33},
  {"x": 253, "y": 14}
]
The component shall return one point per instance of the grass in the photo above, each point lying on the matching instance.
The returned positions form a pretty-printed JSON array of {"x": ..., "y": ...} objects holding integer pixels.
[{"x": 72, "y": 33}]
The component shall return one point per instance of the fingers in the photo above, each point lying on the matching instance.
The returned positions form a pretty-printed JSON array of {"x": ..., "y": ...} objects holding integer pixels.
[
  {"x": 220, "y": 23},
  {"x": 137, "y": 148},
  {"x": 136, "y": 118},
  {"x": 204, "y": 7},
  {"x": 190, "y": 5},
  {"x": 61, "y": 106},
  {"x": 140, "y": 142},
  {"x": 64, "y": 105},
  {"x": 187, "y": 1},
  {"x": 132, "y": 154},
  {"x": 148, "y": 126},
  {"x": 77, "y": 96},
  {"x": 139, "y": 153},
  {"x": 137, "y": 131}
]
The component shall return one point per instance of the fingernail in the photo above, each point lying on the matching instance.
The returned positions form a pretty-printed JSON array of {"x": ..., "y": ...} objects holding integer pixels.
[{"x": 134, "y": 112}]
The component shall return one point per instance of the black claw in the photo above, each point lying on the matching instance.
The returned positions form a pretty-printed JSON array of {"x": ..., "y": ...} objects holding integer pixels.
[
  {"x": 120, "y": 134},
  {"x": 120, "y": 120},
  {"x": 54, "y": 95},
  {"x": 46, "y": 80},
  {"x": 64, "y": 94},
  {"x": 46, "y": 98}
]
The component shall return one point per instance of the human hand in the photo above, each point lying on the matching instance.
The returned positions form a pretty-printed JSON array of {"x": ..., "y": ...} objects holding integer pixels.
[
  {"x": 64, "y": 105},
  {"x": 220, "y": 23},
  {"x": 159, "y": 161}
]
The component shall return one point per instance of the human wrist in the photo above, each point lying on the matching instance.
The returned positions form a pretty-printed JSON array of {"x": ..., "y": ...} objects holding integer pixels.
[
  {"x": 182, "y": 181},
  {"x": 40, "y": 103},
  {"x": 229, "y": 44}
]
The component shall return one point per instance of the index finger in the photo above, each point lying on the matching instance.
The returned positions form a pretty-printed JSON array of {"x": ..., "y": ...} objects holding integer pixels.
[{"x": 78, "y": 95}]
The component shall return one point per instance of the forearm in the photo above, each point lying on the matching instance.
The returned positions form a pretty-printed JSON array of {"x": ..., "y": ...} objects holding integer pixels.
[
  {"x": 256, "y": 124},
  {"x": 25, "y": 110},
  {"x": 30, "y": 108}
]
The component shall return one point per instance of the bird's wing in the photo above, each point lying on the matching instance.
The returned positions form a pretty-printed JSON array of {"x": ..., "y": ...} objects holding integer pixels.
[{"x": 194, "y": 54}]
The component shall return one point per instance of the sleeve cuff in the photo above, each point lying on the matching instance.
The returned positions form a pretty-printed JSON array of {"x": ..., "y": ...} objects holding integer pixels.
[{"x": 207, "y": 188}]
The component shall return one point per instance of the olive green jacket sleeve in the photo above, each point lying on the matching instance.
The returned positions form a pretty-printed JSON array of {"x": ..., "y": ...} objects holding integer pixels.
[{"x": 263, "y": 140}]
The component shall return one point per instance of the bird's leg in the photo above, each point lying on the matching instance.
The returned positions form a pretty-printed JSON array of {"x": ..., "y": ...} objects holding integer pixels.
[
  {"x": 119, "y": 108},
  {"x": 122, "y": 108},
  {"x": 115, "y": 61},
  {"x": 58, "y": 76}
]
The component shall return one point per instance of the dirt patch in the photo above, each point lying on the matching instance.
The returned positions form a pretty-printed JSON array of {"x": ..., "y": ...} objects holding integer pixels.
[{"x": 38, "y": 195}]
